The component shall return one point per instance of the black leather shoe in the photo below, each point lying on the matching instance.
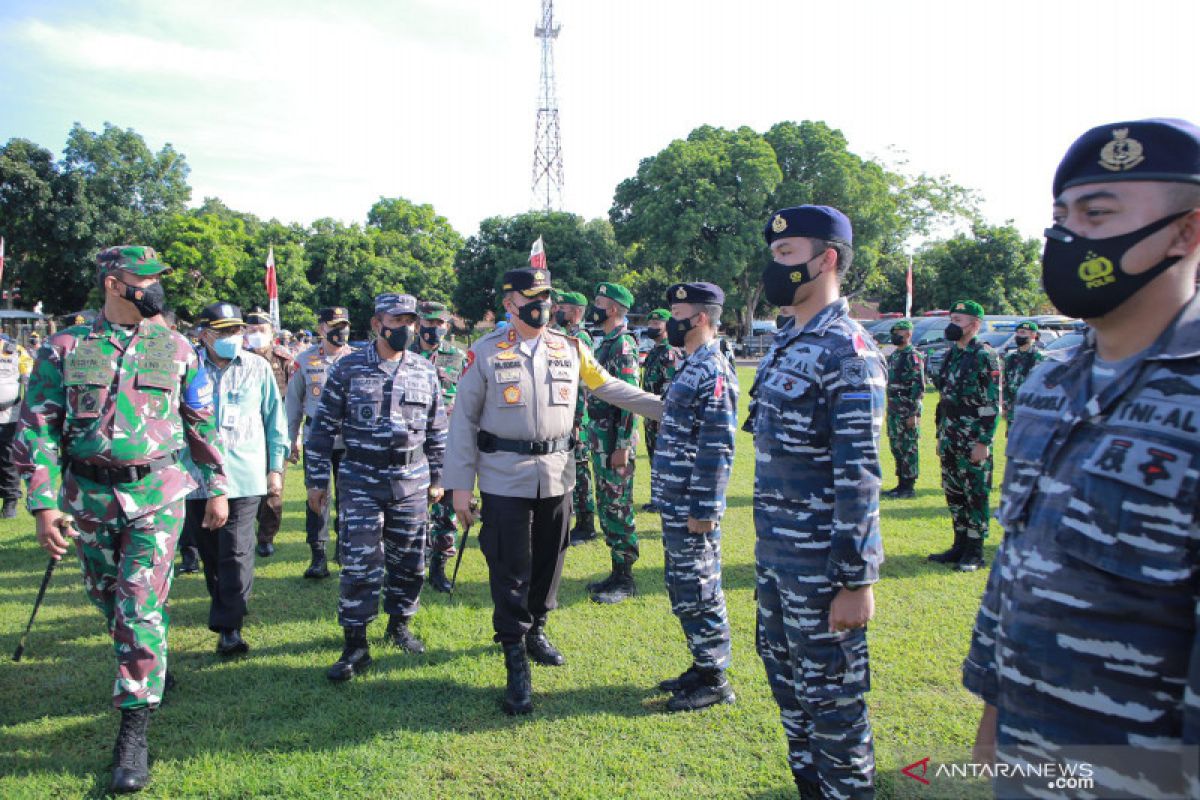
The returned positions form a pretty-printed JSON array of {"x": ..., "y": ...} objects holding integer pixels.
[
  {"x": 319, "y": 568},
  {"x": 539, "y": 648},
  {"x": 190, "y": 563},
  {"x": 230, "y": 643},
  {"x": 972, "y": 556},
  {"x": 686, "y": 680},
  {"x": 620, "y": 589},
  {"x": 9, "y": 511},
  {"x": 398, "y": 635},
  {"x": 649, "y": 507},
  {"x": 437, "y": 573},
  {"x": 518, "y": 695},
  {"x": 585, "y": 528},
  {"x": 711, "y": 688},
  {"x": 355, "y": 658},
  {"x": 131, "y": 757},
  {"x": 266, "y": 549}
]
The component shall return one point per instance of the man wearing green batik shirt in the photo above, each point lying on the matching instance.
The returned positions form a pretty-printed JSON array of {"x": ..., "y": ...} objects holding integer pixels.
[
  {"x": 109, "y": 406},
  {"x": 569, "y": 318}
]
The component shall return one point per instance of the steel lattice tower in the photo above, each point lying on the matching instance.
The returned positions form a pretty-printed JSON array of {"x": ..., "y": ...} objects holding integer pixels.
[{"x": 547, "y": 147}]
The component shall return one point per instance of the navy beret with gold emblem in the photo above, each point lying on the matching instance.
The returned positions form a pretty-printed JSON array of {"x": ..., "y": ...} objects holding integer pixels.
[
  {"x": 708, "y": 294},
  {"x": 812, "y": 222},
  {"x": 527, "y": 281},
  {"x": 1141, "y": 150}
]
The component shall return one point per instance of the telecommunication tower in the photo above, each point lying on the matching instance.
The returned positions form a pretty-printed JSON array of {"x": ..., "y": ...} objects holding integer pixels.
[{"x": 547, "y": 146}]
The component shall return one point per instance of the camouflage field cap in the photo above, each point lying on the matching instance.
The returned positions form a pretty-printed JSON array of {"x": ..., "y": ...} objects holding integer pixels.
[
  {"x": 135, "y": 258},
  {"x": 434, "y": 311}
]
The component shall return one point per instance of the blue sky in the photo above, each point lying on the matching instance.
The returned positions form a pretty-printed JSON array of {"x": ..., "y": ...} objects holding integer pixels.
[{"x": 302, "y": 109}]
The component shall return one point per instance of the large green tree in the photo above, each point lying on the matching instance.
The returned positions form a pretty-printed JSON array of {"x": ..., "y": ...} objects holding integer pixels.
[{"x": 579, "y": 253}]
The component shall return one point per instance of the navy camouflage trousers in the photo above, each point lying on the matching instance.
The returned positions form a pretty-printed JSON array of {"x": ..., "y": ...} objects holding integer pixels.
[
  {"x": 692, "y": 569},
  {"x": 818, "y": 679},
  {"x": 382, "y": 545}
]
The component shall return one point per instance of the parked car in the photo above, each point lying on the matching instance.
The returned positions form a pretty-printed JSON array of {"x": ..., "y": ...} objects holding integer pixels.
[{"x": 1063, "y": 348}]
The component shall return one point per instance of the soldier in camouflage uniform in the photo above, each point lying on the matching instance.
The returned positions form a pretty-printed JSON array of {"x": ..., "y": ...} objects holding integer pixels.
[
  {"x": 449, "y": 361},
  {"x": 691, "y": 470},
  {"x": 816, "y": 416},
  {"x": 905, "y": 391},
  {"x": 610, "y": 437},
  {"x": 657, "y": 370},
  {"x": 386, "y": 402},
  {"x": 109, "y": 407},
  {"x": 1018, "y": 364},
  {"x": 14, "y": 372},
  {"x": 260, "y": 340},
  {"x": 967, "y": 413},
  {"x": 569, "y": 318},
  {"x": 1085, "y": 648}
]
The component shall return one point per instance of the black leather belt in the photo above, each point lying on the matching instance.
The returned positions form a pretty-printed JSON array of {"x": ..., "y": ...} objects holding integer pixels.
[
  {"x": 115, "y": 476},
  {"x": 386, "y": 458},
  {"x": 490, "y": 443}
]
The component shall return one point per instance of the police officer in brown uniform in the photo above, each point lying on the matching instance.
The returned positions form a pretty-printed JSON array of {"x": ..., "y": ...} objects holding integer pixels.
[
  {"x": 512, "y": 432},
  {"x": 260, "y": 340}
]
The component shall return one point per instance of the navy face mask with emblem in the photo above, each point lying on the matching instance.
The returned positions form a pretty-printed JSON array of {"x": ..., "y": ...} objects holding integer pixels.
[
  {"x": 535, "y": 314},
  {"x": 1083, "y": 277},
  {"x": 677, "y": 330},
  {"x": 397, "y": 338},
  {"x": 337, "y": 337},
  {"x": 431, "y": 335},
  {"x": 597, "y": 315},
  {"x": 780, "y": 281}
]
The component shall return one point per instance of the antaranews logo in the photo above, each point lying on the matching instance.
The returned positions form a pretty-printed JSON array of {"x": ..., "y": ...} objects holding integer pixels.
[{"x": 1052, "y": 775}]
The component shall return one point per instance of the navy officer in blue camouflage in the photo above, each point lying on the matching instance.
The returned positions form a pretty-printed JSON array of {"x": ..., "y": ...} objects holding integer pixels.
[
  {"x": 1085, "y": 647},
  {"x": 386, "y": 403},
  {"x": 692, "y": 461},
  {"x": 817, "y": 413}
]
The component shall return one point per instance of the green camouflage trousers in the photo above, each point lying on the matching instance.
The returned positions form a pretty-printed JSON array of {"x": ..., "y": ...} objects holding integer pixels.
[
  {"x": 904, "y": 442},
  {"x": 614, "y": 503},
  {"x": 127, "y": 571},
  {"x": 582, "y": 500},
  {"x": 443, "y": 531},
  {"x": 966, "y": 486}
]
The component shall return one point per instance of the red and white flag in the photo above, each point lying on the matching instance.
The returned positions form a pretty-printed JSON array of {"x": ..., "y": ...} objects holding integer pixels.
[
  {"x": 537, "y": 255},
  {"x": 272, "y": 289},
  {"x": 908, "y": 292}
]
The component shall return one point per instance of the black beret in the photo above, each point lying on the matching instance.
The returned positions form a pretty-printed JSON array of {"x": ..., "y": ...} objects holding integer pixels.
[
  {"x": 333, "y": 314},
  {"x": 699, "y": 293},
  {"x": 528, "y": 282},
  {"x": 1140, "y": 150},
  {"x": 813, "y": 222}
]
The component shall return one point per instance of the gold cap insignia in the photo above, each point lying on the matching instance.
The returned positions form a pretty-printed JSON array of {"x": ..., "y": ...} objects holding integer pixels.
[
  {"x": 681, "y": 293},
  {"x": 1122, "y": 153},
  {"x": 603, "y": 290},
  {"x": 539, "y": 277},
  {"x": 507, "y": 287},
  {"x": 779, "y": 224},
  {"x": 960, "y": 307}
]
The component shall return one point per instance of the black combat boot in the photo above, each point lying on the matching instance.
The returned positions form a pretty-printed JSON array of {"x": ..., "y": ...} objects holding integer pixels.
[
  {"x": 437, "y": 573},
  {"x": 687, "y": 679},
  {"x": 539, "y": 647},
  {"x": 603, "y": 584},
  {"x": 651, "y": 507},
  {"x": 355, "y": 658},
  {"x": 230, "y": 643},
  {"x": 319, "y": 568},
  {"x": 265, "y": 549},
  {"x": 399, "y": 635},
  {"x": 585, "y": 528},
  {"x": 518, "y": 696},
  {"x": 972, "y": 555},
  {"x": 711, "y": 688},
  {"x": 10, "y": 509},
  {"x": 191, "y": 561},
  {"x": 131, "y": 758},
  {"x": 809, "y": 789},
  {"x": 903, "y": 491},
  {"x": 952, "y": 555},
  {"x": 621, "y": 588}
]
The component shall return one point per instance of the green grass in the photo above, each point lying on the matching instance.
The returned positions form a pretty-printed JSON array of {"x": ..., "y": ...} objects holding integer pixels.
[{"x": 271, "y": 725}]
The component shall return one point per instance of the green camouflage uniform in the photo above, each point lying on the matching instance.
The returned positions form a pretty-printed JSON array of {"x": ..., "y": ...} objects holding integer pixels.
[
  {"x": 905, "y": 390},
  {"x": 609, "y": 429},
  {"x": 968, "y": 411},
  {"x": 105, "y": 396},
  {"x": 449, "y": 361},
  {"x": 657, "y": 371},
  {"x": 1017, "y": 366},
  {"x": 581, "y": 500}
]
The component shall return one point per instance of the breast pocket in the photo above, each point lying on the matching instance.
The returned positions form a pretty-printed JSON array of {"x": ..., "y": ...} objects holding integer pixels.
[
  {"x": 562, "y": 381},
  {"x": 366, "y": 402},
  {"x": 413, "y": 404},
  {"x": 1133, "y": 514},
  {"x": 794, "y": 404},
  {"x": 85, "y": 401},
  {"x": 156, "y": 392}
]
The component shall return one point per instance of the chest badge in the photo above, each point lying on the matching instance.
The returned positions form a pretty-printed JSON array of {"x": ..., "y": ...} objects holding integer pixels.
[{"x": 512, "y": 395}]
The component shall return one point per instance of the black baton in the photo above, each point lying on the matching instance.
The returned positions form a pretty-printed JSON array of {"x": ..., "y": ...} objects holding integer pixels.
[
  {"x": 36, "y": 605},
  {"x": 462, "y": 548}
]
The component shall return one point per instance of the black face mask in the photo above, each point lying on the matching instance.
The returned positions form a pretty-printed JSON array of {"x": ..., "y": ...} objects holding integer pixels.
[
  {"x": 535, "y": 314},
  {"x": 338, "y": 336},
  {"x": 430, "y": 335},
  {"x": 1083, "y": 277},
  {"x": 653, "y": 334},
  {"x": 597, "y": 316},
  {"x": 780, "y": 281},
  {"x": 148, "y": 301},
  {"x": 953, "y": 332},
  {"x": 677, "y": 331},
  {"x": 1021, "y": 340},
  {"x": 397, "y": 338},
  {"x": 897, "y": 339},
  {"x": 560, "y": 319}
]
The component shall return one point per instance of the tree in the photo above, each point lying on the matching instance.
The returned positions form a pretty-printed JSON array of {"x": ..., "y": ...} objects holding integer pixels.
[
  {"x": 419, "y": 242},
  {"x": 580, "y": 255}
]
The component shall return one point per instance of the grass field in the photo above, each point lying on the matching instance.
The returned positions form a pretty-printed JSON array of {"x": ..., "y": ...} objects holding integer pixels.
[{"x": 429, "y": 726}]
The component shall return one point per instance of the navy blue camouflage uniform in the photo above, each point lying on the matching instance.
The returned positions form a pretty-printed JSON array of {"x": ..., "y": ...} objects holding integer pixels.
[
  {"x": 1087, "y": 633},
  {"x": 692, "y": 462},
  {"x": 817, "y": 414},
  {"x": 394, "y": 426}
]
